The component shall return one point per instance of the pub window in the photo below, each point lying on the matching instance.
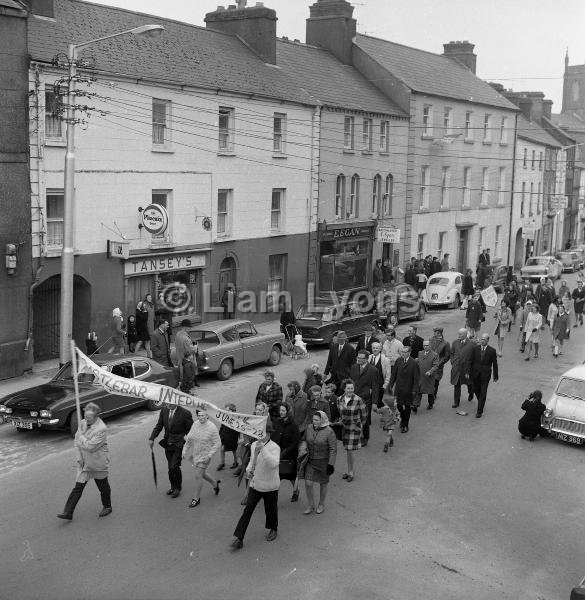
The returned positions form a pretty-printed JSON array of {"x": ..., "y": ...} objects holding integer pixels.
[
  {"x": 53, "y": 122},
  {"x": 226, "y": 129},
  {"x": 376, "y": 191},
  {"x": 161, "y": 110},
  {"x": 276, "y": 279},
  {"x": 339, "y": 196},
  {"x": 55, "y": 212},
  {"x": 224, "y": 199},
  {"x": 343, "y": 263},
  {"x": 162, "y": 198}
]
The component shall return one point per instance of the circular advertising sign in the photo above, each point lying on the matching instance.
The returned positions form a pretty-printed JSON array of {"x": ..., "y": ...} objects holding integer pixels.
[{"x": 155, "y": 219}]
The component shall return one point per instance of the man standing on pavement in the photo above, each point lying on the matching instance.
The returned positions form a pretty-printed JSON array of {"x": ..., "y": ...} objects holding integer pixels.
[
  {"x": 341, "y": 358},
  {"x": 414, "y": 342},
  {"x": 270, "y": 393},
  {"x": 428, "y": 363},
  {"x": 484, "y": 362},
  {"x": 365, "y": 379},
  {"x": 578, "y": 296},
  {"x": 441, "y": 347},
  {"x": 384, "y": 369},
  {"x": 159, "y": 344},
  {"x": 445, "y": 263},
  {"x": 404, "y": 382},
  {"x": 177, "y": 422},
  {"x": 186, "y": 358},
  {"x": 461, "y": 350}
]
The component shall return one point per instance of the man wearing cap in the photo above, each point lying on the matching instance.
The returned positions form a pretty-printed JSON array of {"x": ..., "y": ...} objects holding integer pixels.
[
  {"x": 461, "y": 350},
  {"x": 365, "y": 341},
  {"x": 441, "y": 347},
  {"x": 341, "y": 358},
  {"x": 186, "y": 352},
  {"x": 428, "y": 363},
  {"x": 365, "y": 378}
]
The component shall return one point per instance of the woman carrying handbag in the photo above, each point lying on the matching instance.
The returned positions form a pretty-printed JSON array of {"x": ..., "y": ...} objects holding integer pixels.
[{"x": 286, "y": 435}]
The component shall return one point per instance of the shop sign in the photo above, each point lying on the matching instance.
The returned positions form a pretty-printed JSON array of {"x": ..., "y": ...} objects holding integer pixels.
[
  {"x": 155, "y": 219},
  {"x": 158, "y": 264},
  {"x": 559, "y": 202},
  {"x": 345, "y": 232},
  {"x": 118, "y": 249},
  {"x": 529, "y": 230},
  {"x": 388, "y": 235}
]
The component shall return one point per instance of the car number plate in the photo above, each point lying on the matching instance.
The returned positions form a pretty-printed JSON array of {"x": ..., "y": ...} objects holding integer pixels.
[
  {"x": 569, "y": 438},
  {"x": 22, "y": 424},
  {"x": 434, "y": 296}
]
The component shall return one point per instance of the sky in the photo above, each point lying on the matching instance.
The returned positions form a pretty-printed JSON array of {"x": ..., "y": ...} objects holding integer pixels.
[{"x": 520, "y": 43}]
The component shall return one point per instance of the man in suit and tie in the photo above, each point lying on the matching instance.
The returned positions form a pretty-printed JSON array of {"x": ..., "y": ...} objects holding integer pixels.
[
  {"x": 461, "y": 350},
  {"x": 483, "y": 363},
  {"x": 384, "y": 369},
  {"x": 413, "y": 341},
  {"x": 365, "y": 341},
  {"x": 441, "y": 347},
  {"x": 341, "y": 358},
  {"x": 176, "y": 422},
  {"x": 365, "y": 379},
  {"x": 159, "y": 344},
  {"x": 404, "y": 381}
]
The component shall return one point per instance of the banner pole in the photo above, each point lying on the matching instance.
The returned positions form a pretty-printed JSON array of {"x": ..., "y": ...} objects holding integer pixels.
[{"x": 75, "y": 383}]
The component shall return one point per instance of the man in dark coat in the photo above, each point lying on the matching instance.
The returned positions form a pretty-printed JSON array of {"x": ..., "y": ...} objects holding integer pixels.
[
  {"x": 365, "y": 379},
  {"x": 461, "y": 350},
  {"x": 404, "y": 382},
  {"x": 413, "y": 342},
  {"x": 483, "y": 363},
  {"x": 410, "y": 275},
  {"x": 365, "y": 341},
  {"x": 159, "y": 344},
  {"x": 378, "y": 275},
  {"x": 428, "y": 363},
  {"x": 578, "y": 296},
  {"x": 441, "y": 347},
  {"x": 341, "y": 358},
  {"x": 545, "y": 295},
  {"x": 176, "y": 422},
  {"x": 270, "y": 393}
]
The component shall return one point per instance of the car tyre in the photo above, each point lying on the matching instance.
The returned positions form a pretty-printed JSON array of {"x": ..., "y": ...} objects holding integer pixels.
[
  {"x": 456, "y": 302},
  {"x": 225, "y": 369},
  {"x": 422, "y": 311},
  {"x": 274, "y": 358},
  {"x": 73, "y": 424}
]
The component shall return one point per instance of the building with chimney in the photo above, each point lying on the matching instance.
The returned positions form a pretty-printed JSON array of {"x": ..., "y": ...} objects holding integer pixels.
[{"x": 460, "y": 139}]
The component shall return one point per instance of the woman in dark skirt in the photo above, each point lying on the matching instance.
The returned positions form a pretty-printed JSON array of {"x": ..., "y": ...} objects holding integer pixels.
[
  {"x": 322, "y": 451},
  {"x": 529, "y": 425},
  {"x": 229, "y": 442},
  {"x": 286, "y": 435}
]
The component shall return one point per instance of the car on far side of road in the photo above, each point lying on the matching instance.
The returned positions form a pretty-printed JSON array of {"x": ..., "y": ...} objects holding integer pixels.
[
  {"x": 52, "y": 405},
  {"x": 578, "y": 592},
  {"x": 564, "y": 417},
  {"x": 399, "y": 302},
  {"x": 537, "y": 267},
  {"x": 229, "y": 344},
  {"x": 443, "y": 289},
  {"x": 570, "y": 261}
]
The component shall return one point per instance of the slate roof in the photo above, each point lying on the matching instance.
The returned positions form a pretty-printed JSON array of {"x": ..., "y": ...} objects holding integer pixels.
[
  {"x": 330, "y": 81},
  {"x": 569, "y": 121},
  {"x": 527, "y": 130},
  {"x": 430, "y": 73},
  {"x": 183, "y": 54}
]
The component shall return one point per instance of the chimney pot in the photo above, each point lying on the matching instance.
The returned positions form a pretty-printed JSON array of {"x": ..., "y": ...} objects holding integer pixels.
[
  {"x": 461, "y": 52},
  {"x": 331, "y": 25}
]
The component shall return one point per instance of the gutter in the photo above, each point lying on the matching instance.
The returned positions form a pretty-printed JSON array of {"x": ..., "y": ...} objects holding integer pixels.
[{"x": 513, "y": 183}]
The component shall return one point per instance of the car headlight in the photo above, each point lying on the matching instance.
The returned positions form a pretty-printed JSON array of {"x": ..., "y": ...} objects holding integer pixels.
[
  {"x": 45, "y": 414},
  {"x": 34, "y": 413},
  {"x": 548, "y": 413},
  {"x": 5, "y": 409}
]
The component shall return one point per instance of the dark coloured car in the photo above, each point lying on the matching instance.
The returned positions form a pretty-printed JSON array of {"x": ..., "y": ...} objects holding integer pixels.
[
  {"x": 52, "y": 405},
  {"x": 318, "y": 324},
  {"x": 570, "y": 260},
  {"x": 399, "y": 302}
]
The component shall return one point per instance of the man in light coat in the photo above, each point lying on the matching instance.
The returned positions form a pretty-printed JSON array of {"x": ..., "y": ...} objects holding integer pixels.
[
  {"x": 384, "y": 369},
  {"x": 392, "y": 347},
  {"x": 428, "y": 364},
  {"x": 442, "y": 348}
]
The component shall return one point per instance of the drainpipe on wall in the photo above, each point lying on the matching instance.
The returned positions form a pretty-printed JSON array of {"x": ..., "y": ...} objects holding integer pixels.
[{"x": 512, "y": 192}]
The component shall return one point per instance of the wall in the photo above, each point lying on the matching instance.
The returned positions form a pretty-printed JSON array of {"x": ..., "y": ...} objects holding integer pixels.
[{"x": 14, "y": 194}]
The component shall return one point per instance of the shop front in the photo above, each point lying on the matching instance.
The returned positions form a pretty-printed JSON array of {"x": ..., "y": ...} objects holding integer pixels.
[
  {"x": 175, "y": 281},
  {"x": 345, "y": 257}
]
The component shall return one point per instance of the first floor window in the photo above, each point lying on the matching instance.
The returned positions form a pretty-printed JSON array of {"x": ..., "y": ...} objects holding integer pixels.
[
  {"x": 445, "y": 178},
  {"x": 468, "y": 128},
  {"x": 424, "y": 187},
  {"x": 160, "y": 118},
  {"x": 420, "y": 249},
  {"x": 226, "y": 129},
  {"x": 276, "y": 209},
  {"x": 498, "y": 240},
  {"x": 427, "y": 120},
  {"x": 367, "y": 135},
  {"x": 530, "y": 199},
  {"x": 441, "y": 248},
  {"x": 485, "y": 186},
  {"x": 539, "y": 199},
  {"x": 354, "y": 197},
  {"x": 349, "y": 133},
  {"x": 55, "y": 214},
  {"x": 223, "y": 211},
  {"x": 53, "y": 128},
  {"x": 504, "y": 130},
  {"x": 340, "y": 197},
  {"x": 487, "y": 132},
  {"x": 279, "y": 132},
  {"x": 522, "y": 198},
  {"x": 384, "y": 135},
  {"x": 276, "y": 278},
  {"x": 376, "y": 189},
  {"x": 502, "y": 186},
  {"x": 467, "y": 186},
  {"x": 388, "y": 195}
]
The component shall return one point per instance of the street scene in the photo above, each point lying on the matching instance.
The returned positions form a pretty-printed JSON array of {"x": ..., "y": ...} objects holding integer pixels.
[{"x": 300, "y": 287}]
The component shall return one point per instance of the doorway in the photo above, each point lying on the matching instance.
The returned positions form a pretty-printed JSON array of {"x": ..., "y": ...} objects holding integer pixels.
[
  {"x": 462, "y": 250},
  {"x": 228, "y": 272}
]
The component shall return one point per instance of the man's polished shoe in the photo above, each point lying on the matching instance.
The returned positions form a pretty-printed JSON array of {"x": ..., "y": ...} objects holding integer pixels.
[
  {"x": 169, "y": 492},
  {"x": 478, "y": 415},
  {"x": 237, "y": 544},
  {"x": 176, "y": 493},
  {"x": 106, "y": 510},
  {"x": 364, "y": 443},
  {"x": 66, "y": 516},
  {"x": 271, "y": 535},
  {"x": 454, "y": 405}
]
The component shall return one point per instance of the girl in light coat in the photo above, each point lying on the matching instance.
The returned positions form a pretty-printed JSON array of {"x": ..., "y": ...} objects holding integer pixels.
[
  {"x": 201, "y": 443},
  {"x": 532, "y": 330}
]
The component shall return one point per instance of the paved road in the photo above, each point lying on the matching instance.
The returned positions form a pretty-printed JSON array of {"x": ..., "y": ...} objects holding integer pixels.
[{"x": 460, "y": 508}]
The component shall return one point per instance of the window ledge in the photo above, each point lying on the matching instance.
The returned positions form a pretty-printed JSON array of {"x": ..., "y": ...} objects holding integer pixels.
[
  {"x": 348, "y": 151},
  {"x": 465, "y": 207},
  {"x": 279, "y": 155},
  {"x": 276, "y": 232},
  {"x": 504, "y": 144},
  {"x": 444, "y": 208},
  {"x": 53, "y": 252},
  {"x": 226, "y": 153},
  {"x": 384, "y": 153},
  {"x": 367, "y": 152},
  {"x": 162, "y": 149},
  {"x": 487, "y": 143},
  {"x": 223, "y": 237},
  {"x": 427, "y": 136},
  {"x": 423, "y": 209},
  {"x": 484, "y": 206},
  {"x": 57, "y": 142},
  {"x": 469, "y": 141}
]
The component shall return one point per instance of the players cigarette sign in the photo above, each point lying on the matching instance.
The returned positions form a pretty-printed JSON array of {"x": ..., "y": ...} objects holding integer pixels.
[{"x": 155, "y": 219}]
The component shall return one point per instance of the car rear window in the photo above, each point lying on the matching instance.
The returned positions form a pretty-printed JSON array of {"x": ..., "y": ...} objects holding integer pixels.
[
  {"x": 573, "y": 388},
  {"x": 532, "y": 262},
  {"x": 203, "y": 337},
  {"x": 439, "y": 281}
]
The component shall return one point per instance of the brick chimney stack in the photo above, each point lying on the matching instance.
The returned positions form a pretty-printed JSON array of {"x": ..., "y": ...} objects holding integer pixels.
[
  {"x": 462, "y": 52},
  {"x": 256, "y": 25},
  {"x": 332, "y": 26}
]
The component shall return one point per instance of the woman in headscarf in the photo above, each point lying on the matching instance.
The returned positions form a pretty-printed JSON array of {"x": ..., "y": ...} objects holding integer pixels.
[
  {"x": 560, "y": 330},
  {"x": 297, "y": 400},
  {"x": 286, "y": 435},
  {"x": 91, "y": 441},
  {"x": 322, "y": 451},
  {"x": 354, "y": 414},
  {"x": 117, "y": 332},
  {"x": 529, "y": 425},
  {"x": 201, "y": 443},
  {"x": 504, "y": 319}
]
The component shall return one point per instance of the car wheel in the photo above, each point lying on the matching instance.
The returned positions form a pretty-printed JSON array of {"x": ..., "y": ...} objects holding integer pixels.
[
  {"x": 422, "y": 311},
  {"x": 73, "y": 424},
  {"x": 225, "y": 369},
  {"x": 274, "y": 358}
]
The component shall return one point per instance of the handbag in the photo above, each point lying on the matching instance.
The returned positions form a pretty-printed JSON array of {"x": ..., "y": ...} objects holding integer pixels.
[{"x": 287, "y": 467}]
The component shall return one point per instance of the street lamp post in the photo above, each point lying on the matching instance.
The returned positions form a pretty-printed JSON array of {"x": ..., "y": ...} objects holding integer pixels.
[{"x": 68, "y": 256}]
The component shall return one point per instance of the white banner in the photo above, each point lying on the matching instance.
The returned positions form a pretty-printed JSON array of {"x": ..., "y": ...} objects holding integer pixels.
[
  {"x": 490, "y": 296},
  {"x": 252, "y": 425}
]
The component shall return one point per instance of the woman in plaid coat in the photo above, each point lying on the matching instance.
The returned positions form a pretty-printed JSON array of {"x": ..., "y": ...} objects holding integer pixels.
[{"x": 354, "y": 414}]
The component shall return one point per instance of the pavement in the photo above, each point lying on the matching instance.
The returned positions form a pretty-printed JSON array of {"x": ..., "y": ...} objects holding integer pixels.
[{"x": 459, "y": 508}]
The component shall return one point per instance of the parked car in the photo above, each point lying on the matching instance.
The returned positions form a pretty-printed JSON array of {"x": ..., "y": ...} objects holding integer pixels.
[
  {"x": 564, "y": 417},
  {"x": 578, "y": 592},
  {"x": 443, "y": 289},
  {"x": 569, "y": 260},
  {"x": 318, "y": 324},
  {"x": 230, "y": 344},
  {"x": 399, "y": 302},
  {"x": 541, "y": 266},
  {"x": 52, "y": 405}
]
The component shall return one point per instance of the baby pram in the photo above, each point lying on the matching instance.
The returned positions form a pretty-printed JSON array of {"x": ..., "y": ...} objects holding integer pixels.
[{"x": 290, "y": 332}]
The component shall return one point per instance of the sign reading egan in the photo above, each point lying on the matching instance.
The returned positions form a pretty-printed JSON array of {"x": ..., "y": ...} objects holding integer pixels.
[{"x": 155, "y": 219}]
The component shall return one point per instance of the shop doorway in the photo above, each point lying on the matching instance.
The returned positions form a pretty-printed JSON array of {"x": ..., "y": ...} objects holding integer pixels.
[
  {"x": 47, "y": 318},
  {"x": 228, "y": 273},
  {"x": 463, "y": 250}
]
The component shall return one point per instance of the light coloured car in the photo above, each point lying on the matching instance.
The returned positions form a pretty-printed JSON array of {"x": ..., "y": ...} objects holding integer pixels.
[
  {"x": 230, "y": 344},
  {"x": 443, "y": 289},
  {"x": 564, "y": 417},
  {"x": 541, "y": 266},
  {"x": 570, "y": 260}
]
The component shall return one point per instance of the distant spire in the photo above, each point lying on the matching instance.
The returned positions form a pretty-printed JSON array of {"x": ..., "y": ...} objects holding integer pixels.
[{"x": 567, "y": 58}]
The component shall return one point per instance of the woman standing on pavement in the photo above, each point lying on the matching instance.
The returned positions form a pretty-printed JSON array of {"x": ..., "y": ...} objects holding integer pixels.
[
  {"x": 560, "y": 330},
  {"x": 201, "y": 443},
  {"x": 286, "y": 435},
  {"x": 322, "y": 451},
  {"x": 532, "y": 330},
  {"x": 93, "y": 461},
  {"x": 504, "y": 319},
  {"x": 354, "y": 414},
  {"x": 143, "y": 330}
]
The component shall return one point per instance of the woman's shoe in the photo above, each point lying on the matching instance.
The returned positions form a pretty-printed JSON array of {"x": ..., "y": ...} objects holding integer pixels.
[
  {"x": 350, "y": 478},
  {"x": 295, "y": 496},
  {"x": 320, "y": 509},
  {"x": 308, "y": 510},
  {"x": 386, "y": 446},
  {"x": 344, "y": 476},
  {"x": 194, "y": 502},
  {"x": 216, "y": 488},
  {"x": 527, "y": 358},
  {"x": 220, "y": 467}
]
